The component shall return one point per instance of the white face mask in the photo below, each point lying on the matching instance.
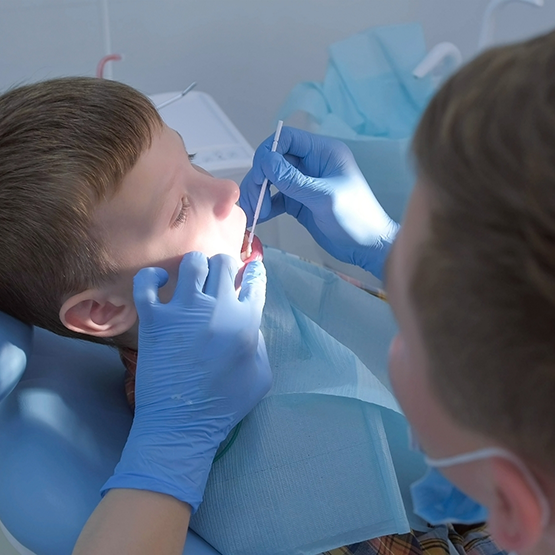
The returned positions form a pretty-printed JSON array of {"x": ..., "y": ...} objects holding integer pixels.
[
  {"x": 490, "y": 452},
  {"x": 437, "y": 499}
]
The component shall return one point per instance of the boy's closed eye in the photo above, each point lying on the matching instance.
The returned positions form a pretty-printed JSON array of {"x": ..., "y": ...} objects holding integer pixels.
[{"x": 181, "y": 217}]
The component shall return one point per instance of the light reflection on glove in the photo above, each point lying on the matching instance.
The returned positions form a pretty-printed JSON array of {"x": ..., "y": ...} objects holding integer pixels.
[
  {"x": 202, "y": 367},
  {"x": 321, "y": 186}
]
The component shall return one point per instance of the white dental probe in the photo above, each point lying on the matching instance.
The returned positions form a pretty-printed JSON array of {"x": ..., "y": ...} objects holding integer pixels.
[{"x": 263, "y": 190}]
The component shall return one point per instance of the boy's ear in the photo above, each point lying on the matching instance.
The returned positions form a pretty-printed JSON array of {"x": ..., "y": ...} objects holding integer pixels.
[
  {"x": 515, "y": 519},
  {"x": 94, "y": 312}
]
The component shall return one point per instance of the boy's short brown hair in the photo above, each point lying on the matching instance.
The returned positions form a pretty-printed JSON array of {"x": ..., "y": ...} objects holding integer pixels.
[
  {"x": 484, "y": 289},
  {"x": 65, "y": 145}
]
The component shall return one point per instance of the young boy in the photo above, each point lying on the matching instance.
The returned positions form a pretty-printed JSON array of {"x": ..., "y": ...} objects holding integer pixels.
[{"x": 94, "y": 187}]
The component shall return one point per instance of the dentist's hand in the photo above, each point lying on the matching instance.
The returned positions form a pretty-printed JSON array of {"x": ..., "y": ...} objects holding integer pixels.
[
  {"x": 321, "y": 185},
  {"x": 202, "y": 367}
]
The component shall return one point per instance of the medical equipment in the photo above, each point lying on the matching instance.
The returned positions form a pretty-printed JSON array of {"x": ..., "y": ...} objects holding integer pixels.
[
  {"x": 371, "y": 289},
  {"x": 103, "y": 61},
  {"x": 177, "y": 96},
  {"x": 445, "y": 56},
  {"x": 208, "y": 133},
  {"x": 263, "y": 190},
  {"x": 489, "y": 20},
  {"x": 62, "y": 430}
]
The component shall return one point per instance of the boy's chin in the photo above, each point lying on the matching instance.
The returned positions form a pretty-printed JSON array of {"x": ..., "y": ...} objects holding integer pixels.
[{"x": 257, "y": 253}]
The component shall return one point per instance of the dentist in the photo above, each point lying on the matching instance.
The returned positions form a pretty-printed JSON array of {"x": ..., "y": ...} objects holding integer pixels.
[{"x": 470, "y": 277}]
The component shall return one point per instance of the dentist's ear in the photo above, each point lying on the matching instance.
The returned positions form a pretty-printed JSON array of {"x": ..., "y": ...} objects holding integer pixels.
[
  {"x": 516, "y": 518},
  {"x": 94, "y": 312}
]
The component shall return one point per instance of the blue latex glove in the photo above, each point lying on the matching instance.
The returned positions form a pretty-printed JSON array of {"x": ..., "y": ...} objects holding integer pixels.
[
  {"x": 202, "y": 367},
  {"x": 321, "y": 185}
]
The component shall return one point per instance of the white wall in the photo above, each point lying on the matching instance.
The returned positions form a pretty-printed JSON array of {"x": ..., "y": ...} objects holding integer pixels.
[
  {"x": 459, "y": 21},
  {"x": 247, "y": 54}
]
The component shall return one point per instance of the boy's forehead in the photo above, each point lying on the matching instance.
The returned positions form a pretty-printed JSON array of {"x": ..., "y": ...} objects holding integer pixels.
[
  {"x": 144, "y": 190},
  {"x": 180, "y": 136}
]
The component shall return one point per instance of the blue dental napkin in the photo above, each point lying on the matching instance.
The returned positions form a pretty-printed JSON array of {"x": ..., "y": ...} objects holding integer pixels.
[
  {"x": 311, "y": 468},
  {"x": 371, "y": 100}
]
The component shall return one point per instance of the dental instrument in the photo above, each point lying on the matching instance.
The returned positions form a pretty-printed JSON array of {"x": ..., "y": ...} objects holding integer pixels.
[
  {"x": 107, "y": 40},
  {"x": 102, "y": 63},
  {"x": 489, "y": 21},
  {"x": 371, "y": 289},
  {"x": 263, "y": 190},
  {"x": 444, "y": 54},
  {"x": 177, "y": 97},
  {"x": 207, "y": 131}
]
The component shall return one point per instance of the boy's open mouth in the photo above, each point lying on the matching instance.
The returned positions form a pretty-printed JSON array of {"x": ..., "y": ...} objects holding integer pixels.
[
  {"x": 256, "y": 254},
  {"x": 257, "y": 251}
]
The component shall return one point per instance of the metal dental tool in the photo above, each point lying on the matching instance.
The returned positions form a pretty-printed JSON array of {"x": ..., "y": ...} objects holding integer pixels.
[
  {"x": 177, "y": 97},
  {"x": 263, "y": 190}
]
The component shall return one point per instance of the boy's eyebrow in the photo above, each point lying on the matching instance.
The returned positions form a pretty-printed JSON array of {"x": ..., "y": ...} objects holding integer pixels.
[
  {"x": 191, "y": 156},
  {"x": 161, "y": 205}
]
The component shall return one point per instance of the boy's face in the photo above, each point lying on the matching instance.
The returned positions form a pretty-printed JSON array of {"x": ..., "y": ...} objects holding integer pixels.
[{"x": 166, "y": 207}]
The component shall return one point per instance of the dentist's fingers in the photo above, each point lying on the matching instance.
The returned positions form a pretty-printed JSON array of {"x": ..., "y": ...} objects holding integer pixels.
[
  {"x": 248, "y": 199},
  {"x": 295, "y": 142},
  {"x": 296, "y": 148},
  {"x": 283, "y": 204},
  {"x": 193, "y": 270},
  {"x": 287, "y": 140},
  {"x": 221, "y": 276},
  {"x": 253, "y": 287},
  {"x": 292, "y": 143},
  {"x": 313, "y": 151},
  {"x": 145, "y": 290},
  {"x": 290, "y": 181},
  {"x": 256, "y": 173},
  {"x": 278, "y": 206}
]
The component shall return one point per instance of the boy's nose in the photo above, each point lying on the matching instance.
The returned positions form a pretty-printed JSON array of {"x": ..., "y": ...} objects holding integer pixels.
[{"x": 226, "y": 195}]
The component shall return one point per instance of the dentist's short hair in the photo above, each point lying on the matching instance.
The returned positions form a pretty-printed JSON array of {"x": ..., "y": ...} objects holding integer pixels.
[
  {"x": 484, "y": 288},
  {"x": 65, "y": 145}
]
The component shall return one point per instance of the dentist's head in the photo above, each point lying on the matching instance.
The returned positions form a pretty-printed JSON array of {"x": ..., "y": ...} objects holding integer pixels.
[{"x": 471, "y": 280}]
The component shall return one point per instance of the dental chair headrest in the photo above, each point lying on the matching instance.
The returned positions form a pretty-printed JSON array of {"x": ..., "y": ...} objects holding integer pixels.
[{"x": 16, "y": 341}]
